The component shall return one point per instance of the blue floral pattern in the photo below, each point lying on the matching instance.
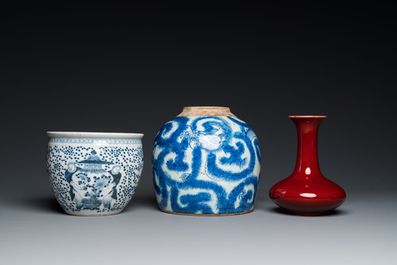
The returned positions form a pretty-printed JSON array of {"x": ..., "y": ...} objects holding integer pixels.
[
  {"x": 93, "y": 179},
  {"x": 206, "y": 165}
]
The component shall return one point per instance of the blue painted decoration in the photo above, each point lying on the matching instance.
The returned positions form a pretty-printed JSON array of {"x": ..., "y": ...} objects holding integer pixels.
[
  {"x": 93, "y": 179},
  {"x": 206, "y": 165}
]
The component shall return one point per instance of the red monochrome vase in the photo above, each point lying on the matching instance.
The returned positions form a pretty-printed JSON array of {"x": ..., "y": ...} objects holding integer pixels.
[{"x": 307, "y": 191}]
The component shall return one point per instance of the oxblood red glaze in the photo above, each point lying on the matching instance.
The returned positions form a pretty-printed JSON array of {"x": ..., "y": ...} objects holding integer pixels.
[{"x": 307, "y": 191}]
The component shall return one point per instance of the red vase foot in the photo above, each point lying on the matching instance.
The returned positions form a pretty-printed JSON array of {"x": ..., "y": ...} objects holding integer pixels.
[
  {"x": 309, "y": 213},
  {"x": 309, "y": 207}
]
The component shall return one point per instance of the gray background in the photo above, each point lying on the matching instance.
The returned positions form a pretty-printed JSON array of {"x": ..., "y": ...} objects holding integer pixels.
[{"x": 113, "y": 67}]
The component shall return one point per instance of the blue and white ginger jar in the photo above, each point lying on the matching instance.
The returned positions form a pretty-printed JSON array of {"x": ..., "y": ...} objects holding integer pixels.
[
  {"x": 206, "y": 161},
  {"x": 94, "y": 173}
]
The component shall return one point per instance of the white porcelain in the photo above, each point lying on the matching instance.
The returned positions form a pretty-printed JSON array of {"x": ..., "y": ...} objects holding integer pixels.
[
  {"x": 94, "y": 173},
  {"x": 206, "y": 161}
]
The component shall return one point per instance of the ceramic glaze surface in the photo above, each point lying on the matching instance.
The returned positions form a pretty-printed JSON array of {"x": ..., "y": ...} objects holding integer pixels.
[
  {"x": 94, "y": 176},
  {"x": 307, "y": 191},
  {"x": 206, "y": 165}
]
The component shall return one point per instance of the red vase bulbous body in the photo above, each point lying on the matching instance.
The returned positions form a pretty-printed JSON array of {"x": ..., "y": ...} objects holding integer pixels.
[{"x": 307, "y": 191}]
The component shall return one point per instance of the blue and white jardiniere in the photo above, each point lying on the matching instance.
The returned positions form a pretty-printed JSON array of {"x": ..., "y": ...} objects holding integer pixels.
[
  {"x": 94, "y": 173},
  {"x": 206, "y": 161}
]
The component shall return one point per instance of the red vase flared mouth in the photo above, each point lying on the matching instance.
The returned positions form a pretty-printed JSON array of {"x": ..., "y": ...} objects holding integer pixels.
[{"x": 307, "y": 116}]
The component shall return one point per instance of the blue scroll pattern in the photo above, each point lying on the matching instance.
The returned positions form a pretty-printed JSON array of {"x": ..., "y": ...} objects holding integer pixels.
[{"x": 206, "y": 165}]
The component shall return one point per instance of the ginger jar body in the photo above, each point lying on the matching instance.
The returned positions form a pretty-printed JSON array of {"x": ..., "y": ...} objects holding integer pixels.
[{"x": 206, "y": 161}]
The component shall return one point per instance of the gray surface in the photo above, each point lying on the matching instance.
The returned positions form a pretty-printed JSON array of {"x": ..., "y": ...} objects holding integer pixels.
[
  {"x": 362, "y": 231},
  {"x": 130, "y": 67}
]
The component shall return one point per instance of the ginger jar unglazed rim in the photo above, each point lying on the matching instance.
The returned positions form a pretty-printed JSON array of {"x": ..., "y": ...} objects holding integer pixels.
[
  {"x": 205, "y": 111},
  {"x": 106, "y": 135}
]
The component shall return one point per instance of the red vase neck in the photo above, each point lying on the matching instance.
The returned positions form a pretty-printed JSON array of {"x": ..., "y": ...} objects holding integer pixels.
[{"x": 307, "y": 158}]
